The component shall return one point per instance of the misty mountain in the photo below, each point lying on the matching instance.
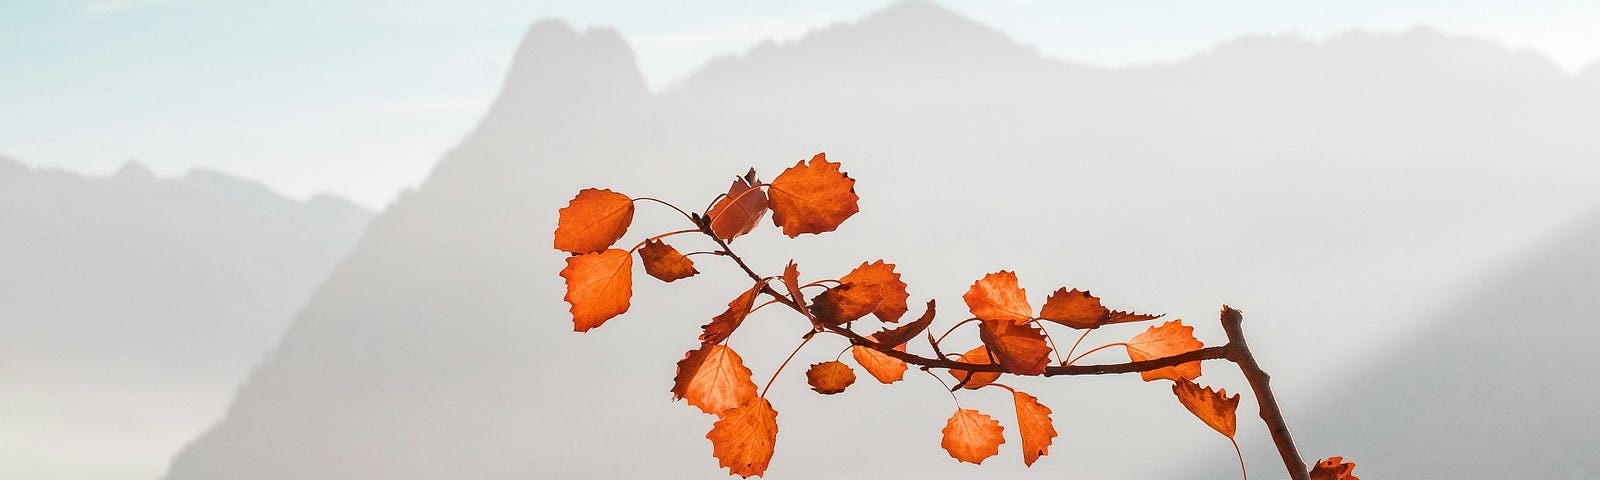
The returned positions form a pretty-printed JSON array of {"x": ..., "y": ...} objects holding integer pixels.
[
  {"x": 131, "y": 305},
  {"x": 1334, "y": 190}
]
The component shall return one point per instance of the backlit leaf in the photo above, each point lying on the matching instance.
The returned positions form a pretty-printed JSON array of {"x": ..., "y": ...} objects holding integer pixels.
[
  {"x": 1171, "y": 338},
  {"x": 1079, "y": 309},
  {"x": 725, "y": 323},
  {"x": 881, "y": 277},
  {"x": 971, "y": 437},
  {"x": 593, "y": 221},
  {"x": 883, "y": 367},
  {"x": 1334, "y": 468},
  {"x": 1035, "y": 426},
  {"x": 713, "y": 378},
  {"x": 599, "y": 286},
  {"x": 979, "y": 356},
  {"x": 791, "y": 282},
  {"x": 1019, "y": 348},
  {"x": 830, "y": 377},
  {"x": 664, "y": 262},
  {"x": 904, "y": 333},
  {"x": 744, "y": 437},
  {"x": 1215, "y": 408},
  {"x": 741, "y": 210},
  {"x": 844, "y": 303},
  {"x": 812, "y": 198},
  {"x": 996, "y": 296}
]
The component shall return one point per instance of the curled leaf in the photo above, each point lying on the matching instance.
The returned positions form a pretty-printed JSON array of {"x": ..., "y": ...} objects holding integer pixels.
[
  {"x": 725, "y": 323},
  {"x": 1035, "y": 426},
  {"x": 812, "y": 198},
  {"x": 593, "y": 221},
  {"x": 1334, "y": 468},
  {"x": 883, "y": 367},
  {"x": 881, "y": 278},
  {"x": 1019, "y": 348},
  {"x": 1171, "y": 338},
  {"x": 971, "y": 437},
  {"x": 844, "y": 303},
  {"x": 791, "y": 282},
  {"x": 744, "y": 437},
  {"x": 980, "y": 356},
  {"x": 830, "y": 377},
  {"x": 599, "y": 286},
  {"x": 996, "y": 296},
  {"x": 664, "y": 262},
  {"x": 741, "y": 210},
  {"x": 713, "y": 378},
  {"x": 904, "y": 333},
  {"x": 1215, "y": 408},
  {"x": 1078, "y": 309}
]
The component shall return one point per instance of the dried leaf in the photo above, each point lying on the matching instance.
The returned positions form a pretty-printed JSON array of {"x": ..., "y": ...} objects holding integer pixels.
[
  {"x": 664, "y": 262},
  {"x": 1035, "y": 426},
  {"x": 997, "y": 297},
  {"x": 1171, "y": 338},
  {"x": 830, "y": 377},
  {"x": 844, "y": 303},
  {"x": 1078, "y": 309},
  {"x": 1019, "y": 348},
  {"x": 599, "y": 286},
  {"x": 1215, "y": 408},
  {"x": 883, "y": 367},
  {"x": 593, "y": 221},
  {"x": 725, "y": 323},
  {"x": 791, "y": 282},
  {"x": 978, "y": 355},
  {"x": 741, "y": 210},
  {"x": 744, "y": 437},
  {"x": 812, "y": 198},
  {"x": 971, "y": 437},
  {"x": 904, "y": 333},
  {"x": 880, "y": 276},
  {"x": 713, "y": 378},
  {"x": 1334, "y": 468}
]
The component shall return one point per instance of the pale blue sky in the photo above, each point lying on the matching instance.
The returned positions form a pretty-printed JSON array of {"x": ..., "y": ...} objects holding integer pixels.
[{"x": 361, "y": 97}]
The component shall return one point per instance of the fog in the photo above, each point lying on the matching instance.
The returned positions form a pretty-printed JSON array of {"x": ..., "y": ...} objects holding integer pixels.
[{"x": 1406, "y": 219}]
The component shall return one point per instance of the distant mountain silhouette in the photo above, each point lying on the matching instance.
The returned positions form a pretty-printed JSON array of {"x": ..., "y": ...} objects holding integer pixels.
[
  {"x": 1332, "y": 189},
  {"x": 131, "y": 305}
]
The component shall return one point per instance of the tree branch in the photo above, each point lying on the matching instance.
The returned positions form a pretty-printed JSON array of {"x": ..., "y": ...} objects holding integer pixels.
[{"x": 1232, "y": 323}]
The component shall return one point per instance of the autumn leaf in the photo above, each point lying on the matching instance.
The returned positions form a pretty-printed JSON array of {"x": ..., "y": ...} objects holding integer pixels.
[
  {"x": 744, "y": 437},
  {"x": 741, "y": 210},
  {"x": 996, "y": 296},
  {"x": 1215, "y": 408},
  {"x": 881, "y": 277},
  {"x": 1334, "y": 468},
  {"x": 1019, "y": 348},
  {"x": 812, "y": 198},
  {"x": 1171, "y": 338},
  {"x": 599, "y": 286},
  {"x": 791, "y": 282},
  {"x": 725, "y": 323},
  {"x": 904, "y": 333},
  {"x": 979, "y": 356},
  {"x": 844, "y": 303},
  {"x": 883, "y": 367},
  {"x": 1078, "y": 309},
  {"x": 830, "y": 377},
  {"x": 664, "y": 262},
  {"x": 971, "y": 437},
  {"x": 593, "y": 221},
  {"x": 1037, "y": 430},
  {"x": 713, "y": 378}
]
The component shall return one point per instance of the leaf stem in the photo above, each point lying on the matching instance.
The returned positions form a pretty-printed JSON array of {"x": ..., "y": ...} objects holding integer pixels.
[
  {"x": 1080, "y": 340},
  {"x": 661, "y": 236},
  {"x": 669, "y": 205},
  {"x": 1243, "y": 474},
  {"x": 1095, "y": 349},
  {"x": 947, "y": 389},
  {"x": 953, "y": 328},
  {"x": 809, "y": 336}
]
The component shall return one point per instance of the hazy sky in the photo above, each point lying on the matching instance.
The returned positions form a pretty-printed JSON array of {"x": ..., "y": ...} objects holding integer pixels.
[{"x": 360, "y": 97}]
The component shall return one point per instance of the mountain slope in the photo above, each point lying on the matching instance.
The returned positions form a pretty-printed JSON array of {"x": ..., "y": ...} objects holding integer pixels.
[{"x": 1282, "y": 176}]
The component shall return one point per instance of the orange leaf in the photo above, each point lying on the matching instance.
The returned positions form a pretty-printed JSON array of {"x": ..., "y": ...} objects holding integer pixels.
[
  {"x": 971, "y": 437},
  {"x": 904, "y": 333},
  {"x": 741, "y": 210},
  {"x": 997, "y": 297},
  {"x": 1171, "y": 338},
  {"x": 593, "y": 221},
  {"x": 713, "y": 378},
  {"x": 1033, "y": 421},
  {"x": 844, "y": 303},
  {"x": 1215, "y": 408},
  {"x": 1019, "y": 348},
  {"x": 744, "y": 437},
  {"x": 599, "y": 286},
  {"x": 791, "y": 282},
  {"x": 881, "y": 277},
  {"x": 978, "y": 355},
  {"x": 664, "y": 262},
  {"x": 883, "y": 367},
  {"x": 830, "y": 377},
  {"x": 725, "y": 323},
  {"x": 1079, "y": 309},
  {"x": 812, "y": 198},
  {"x": 1334, "y": 468}
]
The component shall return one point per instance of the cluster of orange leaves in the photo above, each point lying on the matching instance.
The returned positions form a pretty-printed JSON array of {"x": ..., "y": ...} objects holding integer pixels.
[{"x": 816, "y": 197}]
